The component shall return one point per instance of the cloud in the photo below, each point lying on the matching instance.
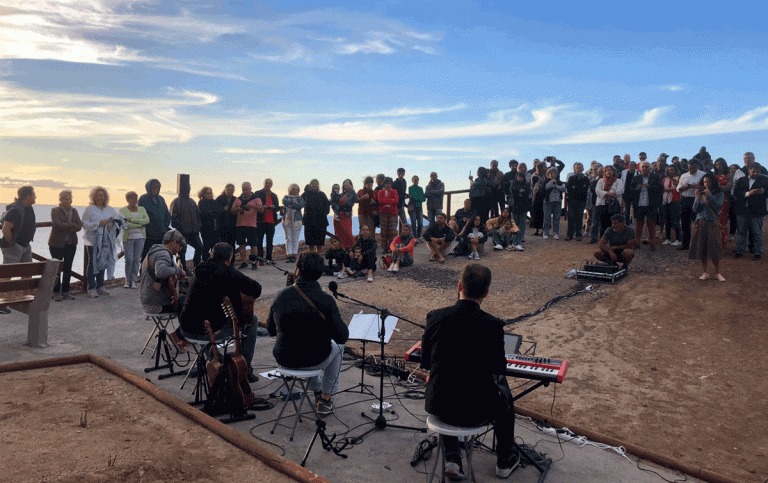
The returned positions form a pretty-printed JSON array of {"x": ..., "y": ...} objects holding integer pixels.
[
  {"x": 671, "y": 87},
  {"x": 368, "y": 47},
  {"x": 295, "y": 52},
  {"x": 255, "y": 151}
]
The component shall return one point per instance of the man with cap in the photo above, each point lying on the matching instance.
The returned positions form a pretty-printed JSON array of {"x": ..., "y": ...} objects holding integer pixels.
[{"x": 157, "y": 267}]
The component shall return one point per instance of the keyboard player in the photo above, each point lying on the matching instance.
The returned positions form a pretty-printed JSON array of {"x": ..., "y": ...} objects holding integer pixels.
[{"x": 463, "y": 349}]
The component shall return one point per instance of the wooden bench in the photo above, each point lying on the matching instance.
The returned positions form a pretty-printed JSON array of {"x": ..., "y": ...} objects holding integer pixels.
[{"x": 37, "y": 276}]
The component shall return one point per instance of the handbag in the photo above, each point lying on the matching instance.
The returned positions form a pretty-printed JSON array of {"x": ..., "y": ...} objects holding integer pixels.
[{"x": 612, "y": 205}]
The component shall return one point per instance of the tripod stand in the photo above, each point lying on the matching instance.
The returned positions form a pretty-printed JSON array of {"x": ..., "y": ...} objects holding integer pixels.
[{"x": 380, "y": 422}]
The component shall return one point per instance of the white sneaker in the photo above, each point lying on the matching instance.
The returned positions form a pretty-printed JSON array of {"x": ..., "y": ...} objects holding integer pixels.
[
  {"x": 370, "y": 278},
  {"x": 545, "y": 236},
  {"x": 336, "y": 274},
  {"x": 519, "y": 248},
  {"x": 476, "y": 256},
  {"x": 102, "y": 291},
  {"x": 453, "y": 472},
  {"x": 92, "y": 294},
  {"x": 395, "y": 268},
  {"x": 676, "y": 243},
  {"x": 471, "y": 256},
  {"x": 342, "y": 275},
  {"x": 127, "y": 285},
  {"x": 556, "y": 237},
  {"x": 391, "y": 268},
  {"x": 135, "y": 285},
  {"x": 510, "y": 247},
  {"x": 666, "y": 242},
  {"x": 498, "y": 247}
]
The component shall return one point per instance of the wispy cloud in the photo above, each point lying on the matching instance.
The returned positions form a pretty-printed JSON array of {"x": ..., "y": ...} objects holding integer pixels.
[
  {"x": 671, "y": 87},
  {"x": 256, "y": 151}
]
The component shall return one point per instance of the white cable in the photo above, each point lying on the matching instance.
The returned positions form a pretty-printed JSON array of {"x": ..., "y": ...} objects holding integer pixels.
[{"x": 568, "y": 436}]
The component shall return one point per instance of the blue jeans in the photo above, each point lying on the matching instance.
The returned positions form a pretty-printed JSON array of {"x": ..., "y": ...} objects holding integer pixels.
[
  {"x": 417, "y": 221},
  {"x": 95, "y": 279},
  {"x": 406, "y": 260},
  {"x": 520, "y": 219},
  {"x": 331, "y": 367},
  {"x": 552, "y": 210},
  {"x": 432, "y": 214},
  {"x": 753, "y": 225},
  {"x": 132, "y": 249}
]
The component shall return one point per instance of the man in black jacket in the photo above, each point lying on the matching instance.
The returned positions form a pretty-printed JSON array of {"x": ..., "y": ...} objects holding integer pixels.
[
  {"x": 646, "y": 193},
  {"x": 750, "y": 194},
  {"x": 576, "y": 192},
  {"x": 214, "y": 280},
  {"x": 463, "y": 348},
  {"x": 309, "y": 328}
]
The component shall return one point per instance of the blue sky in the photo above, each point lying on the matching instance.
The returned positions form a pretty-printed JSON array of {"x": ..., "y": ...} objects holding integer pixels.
[{"x": 116, "y": 92}]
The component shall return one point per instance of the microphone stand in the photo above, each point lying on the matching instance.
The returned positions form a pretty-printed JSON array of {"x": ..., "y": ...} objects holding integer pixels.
[
  {"x": 380, "y": 422},
  {"x": 272, "y": 264}
]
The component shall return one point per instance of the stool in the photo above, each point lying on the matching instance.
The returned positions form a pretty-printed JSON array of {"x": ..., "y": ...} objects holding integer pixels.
[
  {"x": 443, "y": 429},
  {"x": 164, "y": 344},
  {"x": 199, "y": 347},
  {"x": 290, "y": 377}
]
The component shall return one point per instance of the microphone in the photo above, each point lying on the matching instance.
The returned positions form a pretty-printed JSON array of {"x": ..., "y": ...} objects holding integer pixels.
[{"x": 334, "y": 287}]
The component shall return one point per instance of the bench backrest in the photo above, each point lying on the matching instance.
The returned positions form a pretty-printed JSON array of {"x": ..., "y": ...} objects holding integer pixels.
[{"x": 30, "y": 273}]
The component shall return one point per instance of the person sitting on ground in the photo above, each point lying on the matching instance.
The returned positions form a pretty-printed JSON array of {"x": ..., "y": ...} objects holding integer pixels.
[
  {"x": 310, "y": 331},
  {"x": 354, "y": 265},
  {"x": 156, "y": 269},
  {"x": 402, "y": 249},
  {"x": 508, "y": 236},
  {"x": 367, "y": 255},
  {"x": 337, "y": 258},
  {"x": 483, "y": 395},
  {"x": 438, "y": 237},
  {"x": 495, "y": 224},
  {"x": 215, "y": 279},
  {"x": 463, "y": 215},
  {"x": 472, "y": 238},
  {"x": 706, "y": 235},
  {"x": 617, "y": 243}
]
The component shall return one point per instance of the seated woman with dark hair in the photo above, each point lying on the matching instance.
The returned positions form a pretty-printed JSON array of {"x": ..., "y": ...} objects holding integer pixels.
[
  {"x": 310, "y": 331},
  {"x": 367, "y": 256},
  {"x": 402, "y": 249},
  {"x": 472, "y": 237}
]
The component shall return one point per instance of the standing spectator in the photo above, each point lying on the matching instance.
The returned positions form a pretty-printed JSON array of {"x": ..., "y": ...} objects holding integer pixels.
[
  {"x": 508, "y": 178},
  {"x": 402, "y": 249},
  {"x": 687, "y": 189},
  {"x": 593, "y": 221},
  {"x": 553, "y": 201},
  {"x": 555, "y": 163},
  {"x": 379, "y": 186},
  {"x": 706, "y": 236},
  {"x": 646, "y": 193},
  {"x": 722, "y": 173},
  {"x": 495, "y": 177},
  {"x": 626, "y": 198},
  {"x": 618, "y": 163},
  {"x": 481, "y": 193},
  {"x": 228, "y": 221},
  {"x": 185, "y": 217},
  {"x": 247, "y": 207},
  {"x": 19, "y": 227},
  {"x": 577, "y": 191},
  {"x": 416, "y": 195},
  {"x": 210, "y": 220},
  {"x": 267, "y": 219},
  {"x": 316, "y": 209},
  {"x": 520, "y": 199},
  {"x": 99, "y": 225},
  {"x": 670, "y": 205},
  {"x": 434, "y": 192},
  {"x": 733, "y": 224},
  {"x": 343, "y": 226},
  {"x": 133, "y": 238},
  {"x": 63, "y": 241},
  {"x": 750, "y": 194},
  {"x": 388, "y": 199},
  {"x": 293, "y": 203},
  {"x": 366, "y": 198},
  {"x": 538, "y": 180},
  {"x": 159, "y": 215},
  {"x": 609, "y": 190},
  {"x": 401, "y": 186}
]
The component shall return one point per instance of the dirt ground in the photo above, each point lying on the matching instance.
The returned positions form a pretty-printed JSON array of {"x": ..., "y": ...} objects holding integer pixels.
[
  {"x": 659, "y": 359},
  {"x": 80, "y": 424}
]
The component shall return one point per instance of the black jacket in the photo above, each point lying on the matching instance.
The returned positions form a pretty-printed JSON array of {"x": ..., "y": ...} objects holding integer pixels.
[
  {"x": 750, "y": 205},
  {"x": 655, "y": 189},
  {"x": 303, "y": 337},
  {"x": 463, "y": 348},
  {"x": 316, "y": 208},
  {"x": 262, "y": 195},
  {"x": 213, "y": 281},
  {"x": 577, "y": 188}
]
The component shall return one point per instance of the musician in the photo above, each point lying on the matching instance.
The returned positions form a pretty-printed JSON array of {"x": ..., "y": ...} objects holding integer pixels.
[
  {"x": 463, "y": 349},
  {"x": 310, "y": 331},
  {"x": 617, "y": 242},
  {"x": 215, "y": 279},
  {"x": 157, "y": 267}
]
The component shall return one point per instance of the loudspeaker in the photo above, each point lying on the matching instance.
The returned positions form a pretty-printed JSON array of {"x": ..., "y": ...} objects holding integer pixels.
[{"x": 182, "y": 183}]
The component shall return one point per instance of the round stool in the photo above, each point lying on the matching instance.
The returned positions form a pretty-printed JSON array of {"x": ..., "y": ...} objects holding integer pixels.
[
  {"x": 290, "y": 377},
  {"x": 442, "y": 429}
]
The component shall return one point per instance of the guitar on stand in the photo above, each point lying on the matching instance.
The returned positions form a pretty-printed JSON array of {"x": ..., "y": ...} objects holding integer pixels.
[{"x": 237, "y": 368}]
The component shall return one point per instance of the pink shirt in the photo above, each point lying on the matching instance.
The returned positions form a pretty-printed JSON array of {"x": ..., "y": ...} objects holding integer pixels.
[{"x": 247, "y": 218}]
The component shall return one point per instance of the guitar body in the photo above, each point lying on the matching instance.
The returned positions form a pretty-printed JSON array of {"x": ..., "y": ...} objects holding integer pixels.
[{"x": 237, "y": 369}]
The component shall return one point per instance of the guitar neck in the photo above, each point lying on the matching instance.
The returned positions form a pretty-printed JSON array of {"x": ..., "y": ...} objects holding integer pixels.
[{"x": 229, "y": 311}]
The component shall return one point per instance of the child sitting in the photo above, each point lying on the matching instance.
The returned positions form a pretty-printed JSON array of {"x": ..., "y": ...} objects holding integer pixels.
[
  {"x": 354, "y": 267},
  {"x": 336, "y": 257},
  {"x": 508, "y": 236}
]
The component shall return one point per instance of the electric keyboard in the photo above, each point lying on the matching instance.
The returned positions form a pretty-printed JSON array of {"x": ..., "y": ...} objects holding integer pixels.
[{"x": 518, "y": 365}]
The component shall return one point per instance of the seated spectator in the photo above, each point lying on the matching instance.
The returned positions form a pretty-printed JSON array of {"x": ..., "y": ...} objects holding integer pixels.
[
  {"x": 438, "y": 237},
  {"x": 494, "y": 224},
  {"x": 508, "y": 236},
  {"x": 472, "y": 238},
  {"x": 354, "y": 265},
  {"x": 402, "y": 249},
  {"x": 463, "y": 215},
  {"x": 336, "y": 257},
  {"x": 367, "y": 256},
  {"x": 617, "y": 243}
]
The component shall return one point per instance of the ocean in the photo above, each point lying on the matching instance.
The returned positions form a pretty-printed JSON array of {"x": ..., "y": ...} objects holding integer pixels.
[{"x": 40, "y": 243}]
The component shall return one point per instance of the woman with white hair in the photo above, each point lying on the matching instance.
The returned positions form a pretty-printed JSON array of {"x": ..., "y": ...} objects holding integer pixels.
[
  {"x": 293, "y": 203},
  {"x": 133, "y": 238},
  {"x": 99, "y": 215},
  {"x": 63, "y": 242}
]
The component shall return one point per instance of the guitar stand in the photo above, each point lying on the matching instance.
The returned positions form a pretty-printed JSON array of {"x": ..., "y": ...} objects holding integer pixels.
[{"x": 326, "y": 442}]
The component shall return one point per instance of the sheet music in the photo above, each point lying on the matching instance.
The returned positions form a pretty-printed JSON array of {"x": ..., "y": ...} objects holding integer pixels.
[{"x": 366, "y": 327}]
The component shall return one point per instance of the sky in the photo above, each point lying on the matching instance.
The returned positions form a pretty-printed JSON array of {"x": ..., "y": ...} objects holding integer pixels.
[{"x": 113, "y": 93}]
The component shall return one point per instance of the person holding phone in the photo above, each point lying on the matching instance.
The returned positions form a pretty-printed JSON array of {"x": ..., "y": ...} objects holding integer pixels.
[{"x": 750, "y": 195}]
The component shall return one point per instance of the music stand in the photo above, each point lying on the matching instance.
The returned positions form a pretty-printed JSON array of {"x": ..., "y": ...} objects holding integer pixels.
[{"x": 365, "y": 328}]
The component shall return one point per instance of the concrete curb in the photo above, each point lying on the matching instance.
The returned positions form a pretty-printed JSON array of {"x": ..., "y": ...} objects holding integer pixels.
[{"x": 246, "y": 443}]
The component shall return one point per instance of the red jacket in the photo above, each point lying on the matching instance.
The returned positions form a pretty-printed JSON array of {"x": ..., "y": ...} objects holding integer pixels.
[{"x": 388, "y": 201}]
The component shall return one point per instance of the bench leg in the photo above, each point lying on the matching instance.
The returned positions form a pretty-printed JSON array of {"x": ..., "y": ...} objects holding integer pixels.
[{"x": 37, "y": 333}]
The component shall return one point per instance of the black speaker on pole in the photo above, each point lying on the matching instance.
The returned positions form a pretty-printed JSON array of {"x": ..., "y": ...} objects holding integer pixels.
[{"x": 182, "y": 184}]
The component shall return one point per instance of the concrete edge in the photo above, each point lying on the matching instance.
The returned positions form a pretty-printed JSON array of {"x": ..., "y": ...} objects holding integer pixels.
[{"x": 247, "y": 444}]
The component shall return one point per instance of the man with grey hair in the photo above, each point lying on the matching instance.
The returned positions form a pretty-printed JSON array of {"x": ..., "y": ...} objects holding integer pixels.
[
  {"x": 19, "y": 227},
  {"x": 156, "y": 269},
  {"x": 751, "y": 194},
  {"x": 646, "y": 193}
]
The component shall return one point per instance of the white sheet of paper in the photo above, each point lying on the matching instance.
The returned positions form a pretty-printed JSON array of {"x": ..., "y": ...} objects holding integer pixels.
[{"x": 366, "y": 327}]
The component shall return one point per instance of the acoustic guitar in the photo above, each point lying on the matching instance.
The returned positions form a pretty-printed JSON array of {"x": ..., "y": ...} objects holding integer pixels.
[
  {"x": 237, "y": 369},
  {"x": 213, "y": 368}
]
